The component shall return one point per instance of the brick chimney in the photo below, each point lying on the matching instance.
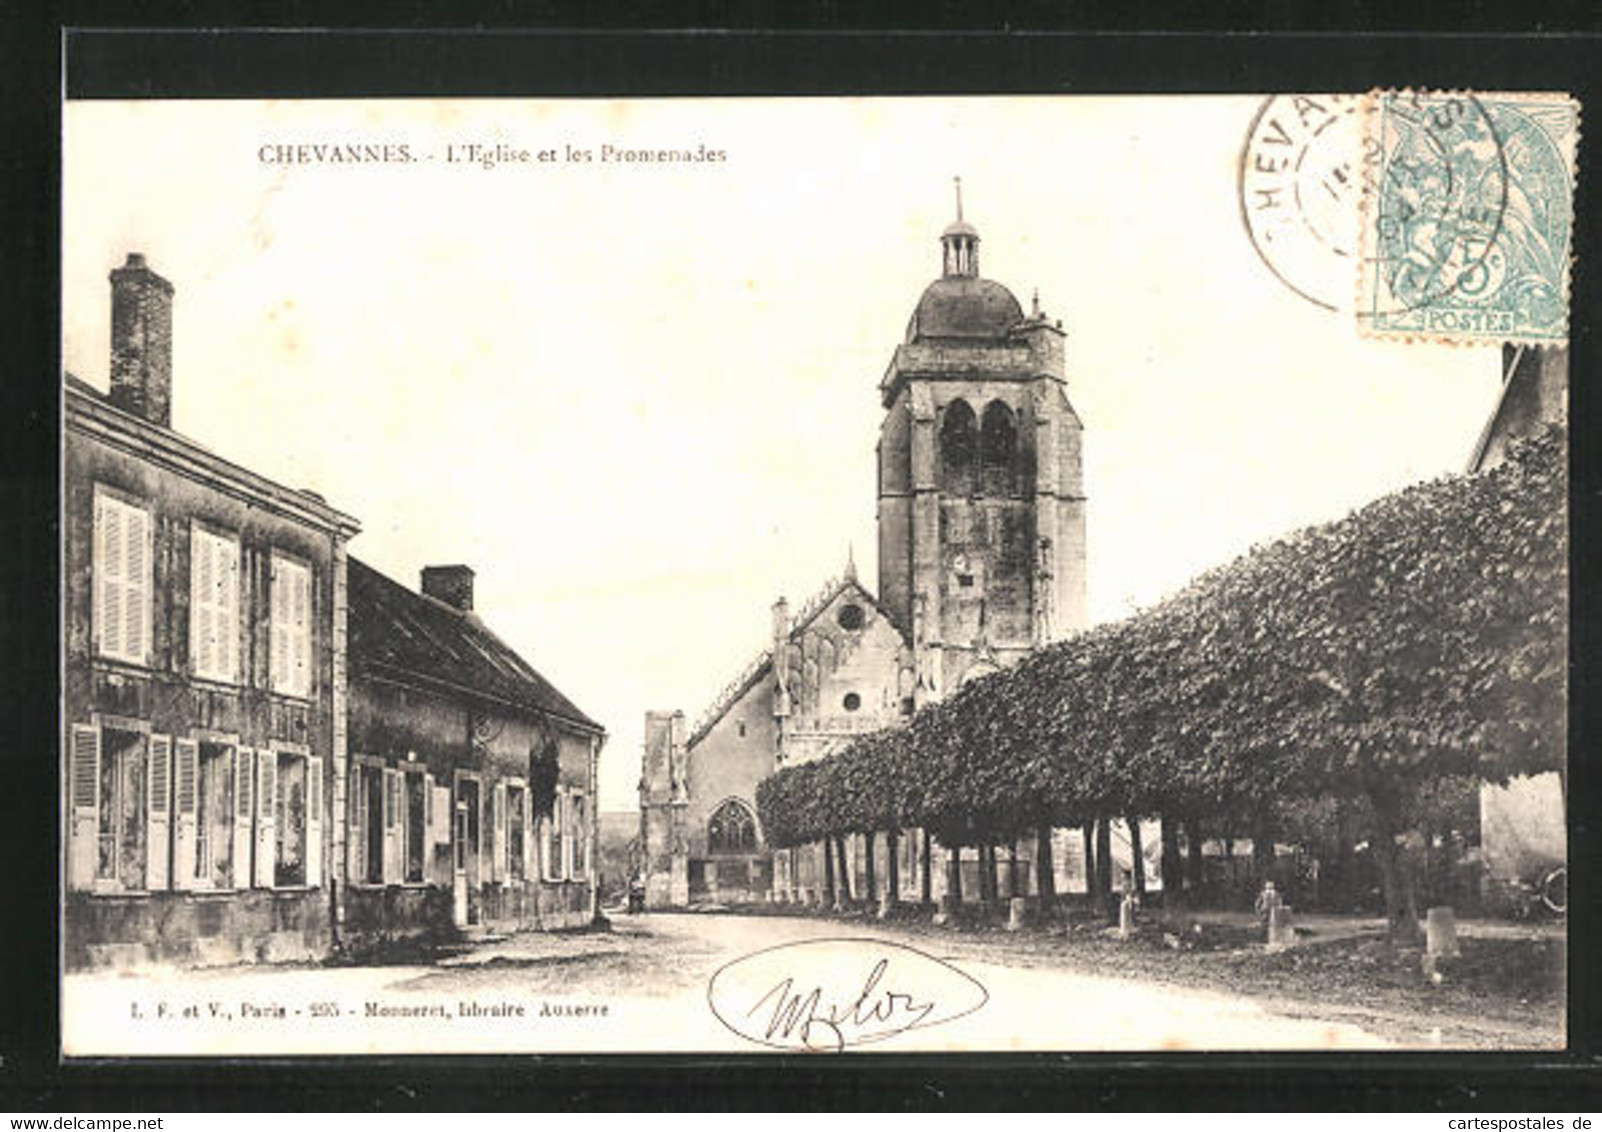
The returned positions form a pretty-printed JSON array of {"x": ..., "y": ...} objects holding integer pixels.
[
  {"x": 451, "y": 584},
  {"x": 141, "y": 341}
]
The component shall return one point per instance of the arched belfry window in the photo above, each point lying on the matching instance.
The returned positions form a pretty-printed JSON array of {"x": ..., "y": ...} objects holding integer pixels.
[
  {"x": 958, "y": 441},
  {"x": 998, "y": 447},
  {"x": 732, "y": 828}
]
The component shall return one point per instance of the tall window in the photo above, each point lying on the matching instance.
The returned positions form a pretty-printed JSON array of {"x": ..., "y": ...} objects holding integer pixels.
[
  {"x": 290, "y": 814},
  {"x": 515, "y": 830},
  {"x": 121, "y": 612},
  {"x": 214, "y": 817},
  {"x": 213, "y": 605},
  {"x": 291, "y": 627},
  {"x": 998, "y": 445},
  {"x": 958, "y": 439},
  {"x": 553, "y": 840},
  {"x": 732, "y": 829},
  {"x": 122, "y": 854},
  {"x": 416, "y": 814}
]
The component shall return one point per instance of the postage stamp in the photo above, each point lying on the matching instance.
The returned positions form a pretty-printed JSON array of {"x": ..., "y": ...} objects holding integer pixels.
[{"x": 1468, "y": 210}]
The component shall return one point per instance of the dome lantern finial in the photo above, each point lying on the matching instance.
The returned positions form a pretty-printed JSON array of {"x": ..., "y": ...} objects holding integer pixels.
[{"x": 961, "y": 244}]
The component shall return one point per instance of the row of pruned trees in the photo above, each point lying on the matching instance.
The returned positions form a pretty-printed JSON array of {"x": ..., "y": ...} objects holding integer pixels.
[{"x": 1421, "y": 637}]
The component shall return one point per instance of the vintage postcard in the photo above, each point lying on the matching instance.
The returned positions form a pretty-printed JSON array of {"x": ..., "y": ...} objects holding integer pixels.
[{"x": 842, "y": 574}]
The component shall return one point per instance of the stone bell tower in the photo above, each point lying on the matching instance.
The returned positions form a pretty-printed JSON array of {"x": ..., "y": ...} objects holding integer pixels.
[{"x": 981, "y": 494}]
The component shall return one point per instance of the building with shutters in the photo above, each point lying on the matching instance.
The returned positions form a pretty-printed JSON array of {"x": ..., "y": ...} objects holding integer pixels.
[
  {"x": 981, "y": 517},
  {"x": 472, "y": 782},
  {"x": 203, "y": 695}
]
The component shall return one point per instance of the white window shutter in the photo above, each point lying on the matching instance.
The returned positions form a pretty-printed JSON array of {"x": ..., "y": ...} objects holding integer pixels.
[
  {"x": 228, "y": 611},
  {"x": 201, "y": 659},
  {"x": 186, "y": 786},
  {"x": 244, "y": 812},
  {"x": 567, "y": 837},
  {"x": 158, "y": 805},
  {"x": 136, "y": 591},
  {"x": 300, "y": 631},
  {"x": 529, "y": 836},
  {"x": 314, "y": 822},
  {"x": 84, "y": 788},
  {"x": 266, "y": 818},
  {"x": 277, "y": 628},
  {"x": 108, "y": 569},
  {"x": 394, "y": 799}
]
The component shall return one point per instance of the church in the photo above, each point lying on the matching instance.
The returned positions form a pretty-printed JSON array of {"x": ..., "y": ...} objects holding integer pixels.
[{"x": 981, "y": 539}]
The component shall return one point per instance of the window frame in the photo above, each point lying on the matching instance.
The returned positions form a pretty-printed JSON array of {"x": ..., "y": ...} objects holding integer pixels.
[
  {"x": 105, "y": 498},
  {"x": 281, "y": 676},
  {"x": 204, "y": 532}
]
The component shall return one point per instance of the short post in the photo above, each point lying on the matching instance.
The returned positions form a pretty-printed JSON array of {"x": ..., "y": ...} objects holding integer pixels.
[
  {"x": 1281, "y": 933},
  {"x": 943, "y": 910},
  {"x": 1440, "y": 932},
  {"x": 1126, "y": 916},
  {"x": 1017, "y": 913}
]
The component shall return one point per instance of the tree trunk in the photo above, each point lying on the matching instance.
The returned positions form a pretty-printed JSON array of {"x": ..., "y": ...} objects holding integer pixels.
[
  {"x": 845, "y": 871},
  {"x": 828, "y": 873},
  {"x": 1198, "y": 862},
  {"x": 1013, "y": 888},
  {"x": 870, "y": 878},
  {"x": 1263, "y": 847},
  {"x": 928, "y": 875},
  {"x": 1172, "y": 868},
  {"x": 987, "y": 873},
  {"x": 954, "y": 874},
  {"x": 1104, "y": 863},
  {"x": 1045, "y": 869},
  {"x": 1137, "y": 856},
  {"x": 892, "y": 864},
  {"x": 1401, "y": 909},
  {"x": 1087, "y": 833},
  {"x": 1344, "y": 889}
]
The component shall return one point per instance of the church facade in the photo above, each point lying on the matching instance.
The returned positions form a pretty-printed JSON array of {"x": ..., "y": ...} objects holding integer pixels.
[{"x": 981, "y": 558}]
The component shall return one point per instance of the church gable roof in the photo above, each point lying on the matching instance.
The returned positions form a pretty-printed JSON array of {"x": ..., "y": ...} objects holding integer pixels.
[{"x": 762, "y": 664}]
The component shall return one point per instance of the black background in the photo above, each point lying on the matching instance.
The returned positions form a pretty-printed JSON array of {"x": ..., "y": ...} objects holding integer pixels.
[{"x": 959, "y": 51}]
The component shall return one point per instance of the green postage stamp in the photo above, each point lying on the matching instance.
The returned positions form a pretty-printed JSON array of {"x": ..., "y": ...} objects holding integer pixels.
[{"x": 1467, "y": 218}]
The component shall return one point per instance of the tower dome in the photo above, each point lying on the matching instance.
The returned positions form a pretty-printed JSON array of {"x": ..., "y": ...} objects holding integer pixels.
[{"x": 960, "y": 304}]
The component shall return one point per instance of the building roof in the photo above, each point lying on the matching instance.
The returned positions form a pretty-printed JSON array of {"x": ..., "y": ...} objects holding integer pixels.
[
  {"x": 958, "y": 306},
  {"x": 402, "y": 635},
  {"x": 88, "y": 411}
]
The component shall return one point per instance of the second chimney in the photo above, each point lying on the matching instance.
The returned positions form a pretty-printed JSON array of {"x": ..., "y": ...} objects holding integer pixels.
[
  {"x": 451, "y": 584},
  {"x": 141, "y": 341}
]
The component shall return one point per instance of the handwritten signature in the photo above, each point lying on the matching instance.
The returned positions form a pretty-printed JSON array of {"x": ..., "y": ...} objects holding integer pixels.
[{"x": 828, "y": 994}]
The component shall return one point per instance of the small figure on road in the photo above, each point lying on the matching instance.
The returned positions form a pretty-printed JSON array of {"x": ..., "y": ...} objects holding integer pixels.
[{"x": 1267, "y": 900}]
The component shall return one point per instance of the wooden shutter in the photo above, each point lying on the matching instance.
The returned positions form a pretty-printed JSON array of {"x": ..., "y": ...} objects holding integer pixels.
[
  {"x": 202, "y": 628},
  {"x": 394, "y": 800},
  {"x": 278, "y": 623},
  {"x": 266, "y": 818},
  {"x": 530, "y": 836},
  {"x": 227, "y": 609},
  {"x": 83, "y": 758},
  {"x": 136, "y": 586},
  {"x": 567, "y": 837},
  {"x": 314, "y": 822},
  {"x": 158, "y": 807},
  {"x": 581, "y": 851},
  {"x": 244, "y": 811},
  {"x": 109, "y": 568},
  {"x": 498, "y": 832},
  {"x": 186, "y": 786},
  {"x": 300, "y": 630}
]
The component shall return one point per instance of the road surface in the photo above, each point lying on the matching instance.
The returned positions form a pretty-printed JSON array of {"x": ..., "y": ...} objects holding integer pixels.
[{"x": 644, "y": 987}]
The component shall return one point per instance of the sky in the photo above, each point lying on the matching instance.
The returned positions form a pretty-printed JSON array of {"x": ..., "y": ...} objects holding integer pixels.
[{"x": 640, "y": 400}]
